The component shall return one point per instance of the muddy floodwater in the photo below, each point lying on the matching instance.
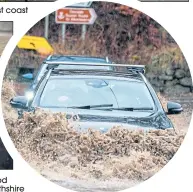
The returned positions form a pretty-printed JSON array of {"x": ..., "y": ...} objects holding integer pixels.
[{"x": 92, "y": 161}]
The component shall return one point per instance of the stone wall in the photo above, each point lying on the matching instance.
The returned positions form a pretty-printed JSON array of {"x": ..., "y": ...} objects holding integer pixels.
[{"x": 171, "y": 78}]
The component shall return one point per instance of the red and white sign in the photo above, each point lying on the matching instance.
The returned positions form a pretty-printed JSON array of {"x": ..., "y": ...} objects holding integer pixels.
[{"x": 76, "y": 16}]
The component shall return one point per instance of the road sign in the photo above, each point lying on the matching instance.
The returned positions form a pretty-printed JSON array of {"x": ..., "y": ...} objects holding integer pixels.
[
  {"x": 39, "y": 44},
  {"x": 83, "y": 4},
  {"x": 76, "y": 16}
]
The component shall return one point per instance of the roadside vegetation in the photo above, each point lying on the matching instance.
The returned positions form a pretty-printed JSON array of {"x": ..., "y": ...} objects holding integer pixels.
[{"x": 123, "y": 34}]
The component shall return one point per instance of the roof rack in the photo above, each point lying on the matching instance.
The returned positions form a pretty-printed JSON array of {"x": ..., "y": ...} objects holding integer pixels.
[
  {"x": 106, "y": 58},
  {"x": 136, "y": 68},
  {"x": 130, "y": 68}
]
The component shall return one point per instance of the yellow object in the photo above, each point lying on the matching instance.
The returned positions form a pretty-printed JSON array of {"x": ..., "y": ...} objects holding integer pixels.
[
  {"x": 136, "y": 57},
  {"x": 39, "y": 44}
]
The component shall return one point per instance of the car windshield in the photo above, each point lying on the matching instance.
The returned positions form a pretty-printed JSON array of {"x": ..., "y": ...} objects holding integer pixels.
[{"x": 65, "y": 92}]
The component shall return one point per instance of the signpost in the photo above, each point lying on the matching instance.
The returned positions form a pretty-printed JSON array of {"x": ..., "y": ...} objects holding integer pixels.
[
  {"x": 76, "y": 16},
  {"x": 46, "y": 26},
  {"x": 78, "y": 13},
  {"x": 63, "y": 33}
]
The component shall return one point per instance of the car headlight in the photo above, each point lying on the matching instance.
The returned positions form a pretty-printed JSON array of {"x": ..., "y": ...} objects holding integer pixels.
[{"x": 29, "y": 95}]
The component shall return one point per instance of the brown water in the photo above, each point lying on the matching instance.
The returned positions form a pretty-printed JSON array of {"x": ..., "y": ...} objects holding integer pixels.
[{"x": 90, "y": 161}]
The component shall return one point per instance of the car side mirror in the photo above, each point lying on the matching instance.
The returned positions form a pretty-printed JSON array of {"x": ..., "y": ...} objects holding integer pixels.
[
  {"x": 174, "y": 108},
  {"x": 19, "y": 102}
]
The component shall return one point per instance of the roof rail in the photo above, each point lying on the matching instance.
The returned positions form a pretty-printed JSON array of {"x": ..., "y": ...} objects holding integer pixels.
[
  {"x": 131, "y": 68},
  {"x": 107, "y": 59},
  {"x": 49, "y": 57}
]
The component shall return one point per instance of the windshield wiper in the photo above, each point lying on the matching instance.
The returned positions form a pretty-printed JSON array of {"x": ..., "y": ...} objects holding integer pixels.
[
  {"x": 110, "y": 107},
  {"x": 132, "y": 108},
  {"x": 91, "y": 106}
]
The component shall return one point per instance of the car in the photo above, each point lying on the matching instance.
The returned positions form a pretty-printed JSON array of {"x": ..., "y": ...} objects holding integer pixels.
[
  {"x": 101, "y": 99},
  {"x": 64, "y": 62}
]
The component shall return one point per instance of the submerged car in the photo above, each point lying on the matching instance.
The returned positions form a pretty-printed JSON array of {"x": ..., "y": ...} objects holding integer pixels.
[{"x": 101, "y": 99}]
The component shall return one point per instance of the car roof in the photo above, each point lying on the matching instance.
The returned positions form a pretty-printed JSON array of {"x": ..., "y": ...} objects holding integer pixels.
[{"x": 78, "y": 59}]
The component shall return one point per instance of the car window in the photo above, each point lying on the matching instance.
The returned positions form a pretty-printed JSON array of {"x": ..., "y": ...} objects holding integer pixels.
[
  {"x": 80, "y": 92},
  {"x": 132, "y": 94}
]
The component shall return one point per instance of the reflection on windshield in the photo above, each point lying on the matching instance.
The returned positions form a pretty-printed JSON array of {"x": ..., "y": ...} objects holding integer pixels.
[{"x": 81, "y": 92}]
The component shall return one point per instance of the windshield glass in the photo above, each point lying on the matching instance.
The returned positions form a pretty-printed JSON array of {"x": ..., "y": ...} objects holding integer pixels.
[{"x": 60, "y": 92}]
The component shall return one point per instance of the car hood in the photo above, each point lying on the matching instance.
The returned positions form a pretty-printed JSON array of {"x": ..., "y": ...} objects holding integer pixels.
[{"x": 104, "y": 120}]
